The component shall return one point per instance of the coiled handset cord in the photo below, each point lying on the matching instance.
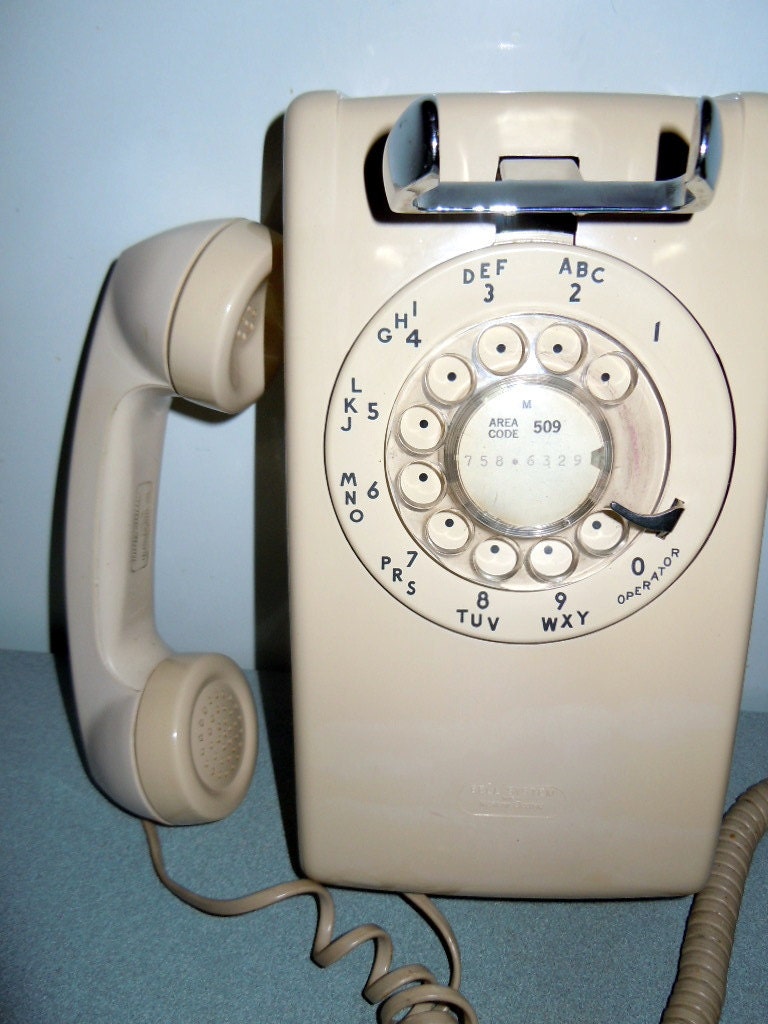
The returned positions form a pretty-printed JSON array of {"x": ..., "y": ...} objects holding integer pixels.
[
  {"x": 412, "y": 992},
  {"x": 404, "y": 993}
]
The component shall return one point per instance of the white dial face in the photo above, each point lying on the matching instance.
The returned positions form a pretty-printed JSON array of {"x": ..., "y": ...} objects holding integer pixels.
[
  {"x": 496, "y": 453},
  {"x": 529, "y": 456}
]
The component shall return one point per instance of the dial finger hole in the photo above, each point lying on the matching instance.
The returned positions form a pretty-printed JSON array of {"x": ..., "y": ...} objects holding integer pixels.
[
  {"x": 448, "y": 531},
  {"x": 610, "y": 378},
  {"x": 496, "y": 559},
  {"x": 420, "y": 429},
  {"x": 551, "y": 559},
  {"x": 601, "y": 533},
  {"x": 560, "y": 348},
  {"x": 449, "y": 379},
  {"x": 501, "y": 349},
  {"x": 420, "y": 485}
]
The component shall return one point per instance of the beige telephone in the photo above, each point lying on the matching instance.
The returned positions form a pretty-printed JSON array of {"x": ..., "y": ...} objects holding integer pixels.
[{"x": 527, "y": 467}]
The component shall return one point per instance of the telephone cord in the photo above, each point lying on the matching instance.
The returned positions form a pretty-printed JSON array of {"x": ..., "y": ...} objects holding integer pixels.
[
  {"x": 405, "y": 993},
  {"x": 699, "y": 991}
]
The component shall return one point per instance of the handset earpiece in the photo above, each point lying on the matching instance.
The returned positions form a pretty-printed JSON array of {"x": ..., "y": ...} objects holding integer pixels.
[{"x": 167, "y": 736}]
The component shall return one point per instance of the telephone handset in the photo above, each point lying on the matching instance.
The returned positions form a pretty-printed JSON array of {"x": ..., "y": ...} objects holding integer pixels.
[
  {"x": 527, "y": 467},
  {"x": 169, "y": 737}
]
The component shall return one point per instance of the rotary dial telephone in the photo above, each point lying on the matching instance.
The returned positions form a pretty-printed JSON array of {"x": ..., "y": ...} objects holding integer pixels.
[{"x": 527, "y": 454}]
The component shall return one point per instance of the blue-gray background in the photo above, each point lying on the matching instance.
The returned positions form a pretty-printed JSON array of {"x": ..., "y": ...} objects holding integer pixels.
[{"x": 122, "y": 119}]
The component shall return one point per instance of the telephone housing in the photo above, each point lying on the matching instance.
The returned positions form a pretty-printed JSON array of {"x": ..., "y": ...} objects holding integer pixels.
[{"x": 508, "y": 680}]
